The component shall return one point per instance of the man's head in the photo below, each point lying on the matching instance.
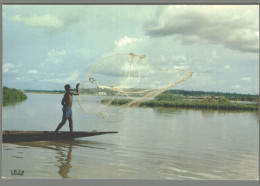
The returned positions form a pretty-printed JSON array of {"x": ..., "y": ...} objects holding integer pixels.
[{"x": 67, "y": 87}]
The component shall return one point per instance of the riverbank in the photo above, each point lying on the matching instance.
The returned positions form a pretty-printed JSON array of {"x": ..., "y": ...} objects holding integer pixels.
[{"x": 188, "y": 104}]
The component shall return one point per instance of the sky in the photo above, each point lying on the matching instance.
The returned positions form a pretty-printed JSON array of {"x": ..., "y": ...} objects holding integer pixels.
[{"x": 48, "y": 46}]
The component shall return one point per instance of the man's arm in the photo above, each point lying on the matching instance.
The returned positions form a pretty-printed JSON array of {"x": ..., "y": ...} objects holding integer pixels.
[{"x": 77, "y": 90}]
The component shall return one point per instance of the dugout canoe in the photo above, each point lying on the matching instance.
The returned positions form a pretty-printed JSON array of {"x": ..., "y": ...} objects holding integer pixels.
[{"x": 29, "y": 136}]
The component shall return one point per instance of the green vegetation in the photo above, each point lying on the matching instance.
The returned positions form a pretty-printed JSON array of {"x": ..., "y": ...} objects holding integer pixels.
[
  {"x": 116, "y": 101},
  {"x": 182, "y": 99},
  {"x": 202, "y": 105},
  {"x": 12, "y": 95},
  {"x": 190, "y": 104},
  {"x": 46, "y": 91},
  {"x": 169, "y": 99},
  {"x": 200, "y": 94},
  {"x": 97, "y": 91},
  {"x": 169, "y": 94}
]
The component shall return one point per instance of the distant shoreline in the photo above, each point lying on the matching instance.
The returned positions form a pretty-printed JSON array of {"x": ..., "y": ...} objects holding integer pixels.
[
  {"x": 186, "y": 99},
  {"x": 45, "y": 92},
  {"x": 177, "y": 92}
]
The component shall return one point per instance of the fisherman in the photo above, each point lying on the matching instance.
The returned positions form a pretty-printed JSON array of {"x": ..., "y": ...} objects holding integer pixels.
[{"x": 67, "y": 105}]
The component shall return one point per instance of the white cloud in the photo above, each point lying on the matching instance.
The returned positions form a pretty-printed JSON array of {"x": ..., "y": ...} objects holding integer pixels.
[
  {"x": 46, "y": 20},
  {"x": 227, "y": 67},
  {"x": 180, "y": 67},
  {"x": 55, "y": 18},
  {"x": 246, "y": 79},
  {"x": 236, "y": 87},
  {"x": 178, "y": 58},
  {"x": 174, "y": 61},
  {"x": 232, "y": 26},
  {"x": 32, "y": 71},
  {"x": 55, "y": 56},
  {"x": 125, "y": 41},
  {"x": 20, "y": 79},
  {"x": 9, "y": 67},
  {"x": 125, "y": 45},
  {"x": 71, "y": 78},
  {"x": 213, "y": 56}
]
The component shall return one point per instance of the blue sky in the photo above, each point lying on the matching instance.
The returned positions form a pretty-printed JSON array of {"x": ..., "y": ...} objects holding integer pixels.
[{"x": 48, "y": 46}]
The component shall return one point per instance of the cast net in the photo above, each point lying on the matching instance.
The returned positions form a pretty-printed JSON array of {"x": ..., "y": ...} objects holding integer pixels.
[{"x": 117, "y": 84}]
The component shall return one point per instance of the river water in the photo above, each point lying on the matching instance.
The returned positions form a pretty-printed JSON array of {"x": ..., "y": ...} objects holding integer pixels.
[{"x": 152, "y": 143}]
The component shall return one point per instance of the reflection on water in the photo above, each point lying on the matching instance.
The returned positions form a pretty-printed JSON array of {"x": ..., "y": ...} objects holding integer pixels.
[
  {"x": 64, "y": 160},
  {"x": 166, "y": 111},
  {"x": 256, "y": 116},
  {"x": 206, "y": 113},
  {"x": 11, "y": 103},
  {"x": 17, "y": 157},
  {"x": 63, "y": 151}
]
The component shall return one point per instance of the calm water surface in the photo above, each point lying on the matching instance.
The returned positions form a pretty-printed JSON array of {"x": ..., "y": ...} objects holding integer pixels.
[{"x": 152, "y": 143}]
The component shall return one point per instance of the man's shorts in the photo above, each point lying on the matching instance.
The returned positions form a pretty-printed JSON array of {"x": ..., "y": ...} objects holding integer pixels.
[{"x": 68, "y": 112}]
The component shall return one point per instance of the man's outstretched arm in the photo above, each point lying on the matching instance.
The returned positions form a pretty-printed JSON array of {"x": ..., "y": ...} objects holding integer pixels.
[{"x": 77, "y": 90}]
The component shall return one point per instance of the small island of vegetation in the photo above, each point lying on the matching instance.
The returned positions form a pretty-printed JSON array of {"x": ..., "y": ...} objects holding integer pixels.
[
  {"x": 197, "y": 100},
  {"x": 12, "y": 95}
]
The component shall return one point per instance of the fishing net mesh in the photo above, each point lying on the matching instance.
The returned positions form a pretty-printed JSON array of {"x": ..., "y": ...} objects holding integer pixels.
[{"x": 117, "y": 84}]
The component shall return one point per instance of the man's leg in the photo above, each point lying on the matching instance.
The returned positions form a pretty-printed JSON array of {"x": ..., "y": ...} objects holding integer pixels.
[
  {"x": 64, "y": 118},
  {"x": 70, "y": 123}
]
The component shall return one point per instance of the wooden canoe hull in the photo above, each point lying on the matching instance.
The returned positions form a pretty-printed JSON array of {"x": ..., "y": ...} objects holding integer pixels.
[{"x": 29, "y": 136}]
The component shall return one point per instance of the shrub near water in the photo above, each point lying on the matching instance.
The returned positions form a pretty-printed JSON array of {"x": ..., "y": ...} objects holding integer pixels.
[
  {"x": 12, "y": 95},
  {"x": 167, "y": 96}
]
